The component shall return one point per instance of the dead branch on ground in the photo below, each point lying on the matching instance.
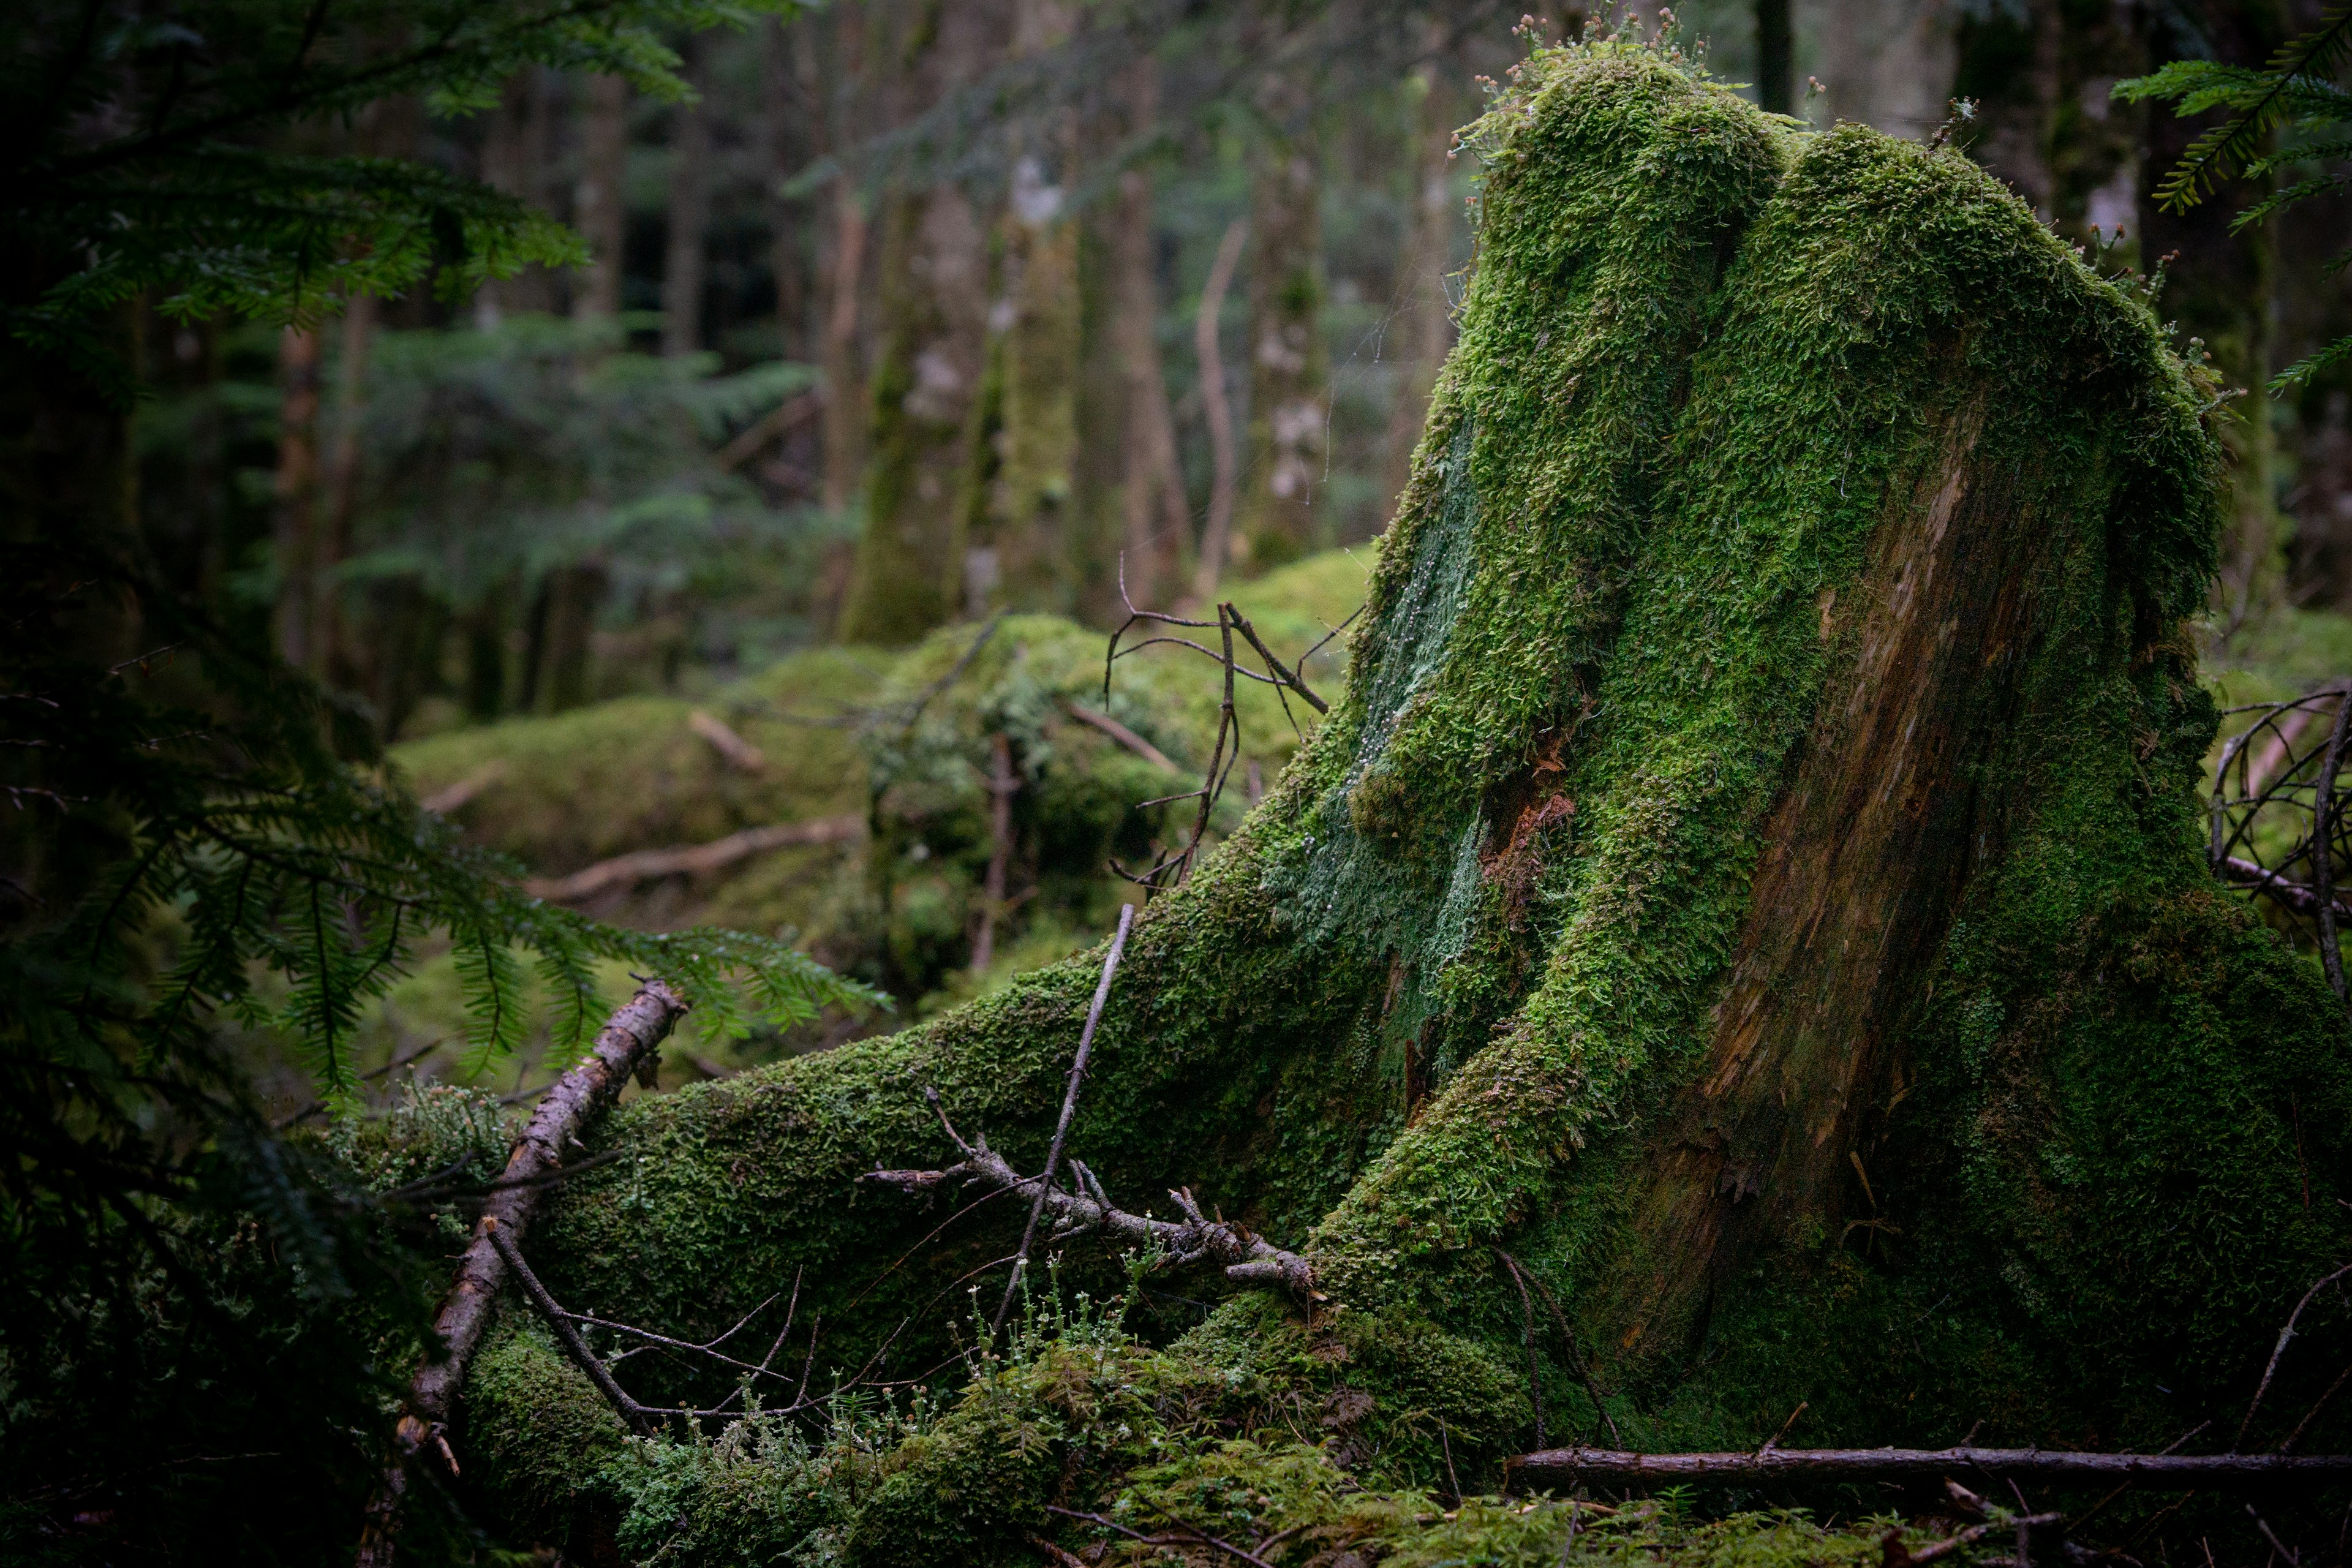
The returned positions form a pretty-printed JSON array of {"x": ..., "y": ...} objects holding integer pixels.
[
  {"x": 691, "y": 860},
  {"x": 1569, "y": 1466},
  {"x": 725, "y": 742},
  {"x": 628, "y": 1045}
]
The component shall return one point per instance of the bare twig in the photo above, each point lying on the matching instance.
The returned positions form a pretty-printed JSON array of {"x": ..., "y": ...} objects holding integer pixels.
[
  {"x": 448, "y": 800},
  {"x": 1197, "y": 1238},
  {"x": 566, "y": 1335},
  {"x": 2323, "y": 847},
  {"x": 1282, "y": 672},
  {"x": 955, "y": 673},
  {"x": 2286, "y": 1334},
  {"x": 1069, "y": 1109},
  {"x": 691, "y": 860},
  {"x": 1189, "y": 1536},
  {"x": 1527, "y": 1341},
  {"x": 1895, "y": 1556}
]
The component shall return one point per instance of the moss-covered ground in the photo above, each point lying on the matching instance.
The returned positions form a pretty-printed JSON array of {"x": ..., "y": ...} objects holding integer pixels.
[{"x": 1737, "y": 411}]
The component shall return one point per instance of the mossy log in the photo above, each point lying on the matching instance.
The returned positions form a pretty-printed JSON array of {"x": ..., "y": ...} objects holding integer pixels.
[{"x": 1752, "y": 879}]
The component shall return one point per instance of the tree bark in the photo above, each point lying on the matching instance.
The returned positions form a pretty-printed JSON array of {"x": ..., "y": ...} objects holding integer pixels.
[
  {"x": 600, "y": 198},
  {"x": 1425, "y": 328},
  {"x": 296, "y": 534},
  {"x": 685, "y": 260},
  {"x": 933, "y": 311},
  {"x": 1024, "y": 541},
  {"x": 784, "y": 113},
  {"x": 848, "y": 408},
  {"x": 1290, "y": 397},
  {"x": 1776, "y": 57},
  {"x": 1217, "y": 544}
]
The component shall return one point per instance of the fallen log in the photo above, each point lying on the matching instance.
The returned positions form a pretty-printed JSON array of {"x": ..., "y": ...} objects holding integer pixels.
[
  {"x": 688, "y": 859},
  {"x": 629, "y": 1045},
  {"x": 1569, "y": 1466}
]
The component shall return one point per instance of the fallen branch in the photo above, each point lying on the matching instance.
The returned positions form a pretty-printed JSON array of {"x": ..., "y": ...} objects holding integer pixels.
[
  {"x": 1122, "y": 734},
  {"x": 1250, "y": 1259},
  {"x": 691, "y": 860},
  {"x": 628, "y": 1045},
  {"x": 725, "y": 742},
  {"x": 453, "y": 797},
  {"x": 2296, "y": 896},
  {"x": 1069, "y": 1109},
  {"x": 1570, "y": 1466}
]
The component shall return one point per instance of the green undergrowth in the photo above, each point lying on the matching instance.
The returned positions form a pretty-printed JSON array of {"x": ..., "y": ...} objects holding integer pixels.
[{"x": 1727, "y": 397}]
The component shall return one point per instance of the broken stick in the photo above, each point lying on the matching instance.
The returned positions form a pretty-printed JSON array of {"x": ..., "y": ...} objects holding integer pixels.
[
  {"x": 628, "y": 1045},
  {"x": 1564, "y": 1466}
]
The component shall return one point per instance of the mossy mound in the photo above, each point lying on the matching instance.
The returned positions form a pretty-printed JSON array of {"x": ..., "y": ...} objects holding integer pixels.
[
  {"x": 1752, "y": 884},
  {"x": 886, "y": 736}
]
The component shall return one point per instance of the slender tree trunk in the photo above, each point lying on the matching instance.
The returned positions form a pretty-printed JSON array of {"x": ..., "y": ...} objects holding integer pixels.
[
  {"x": 1217, "y": 544},
  {"x": 684, "y": 258},
  {"x": 297, "y": 541},
  {"x": 932, "y": 307},
  {"x": 1424, "y": 327},
  {"x": 1776, "y": 57},
  {"x": 517, "y": 148},
  {"x": 599, "y": 200},
  {"x": 848, "y": 408},
  {"x": 2219, "y": 287},
  {"x": 1132, "y": 502},
  {"x": 573, "y": 596},
  {"x": 1024, "y": 543},
  {"x": 336, "y": 657},
  {"x": 1290, "y": 394},
  {"x": 784, "y": 110}
]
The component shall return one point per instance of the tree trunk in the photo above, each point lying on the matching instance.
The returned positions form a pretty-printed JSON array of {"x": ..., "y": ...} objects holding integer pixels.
[
  {"x": 1424, "y": 326},
  {"x": 848, "y": 408},
  {"x": 1749, "y": 891},
  {"x": 1290, "y": 397},
  {"x": 1131, "y": 491},
  {"x": 296, "y": 538},
  {"x": 784, "y": 110},
  {"x": 517, "y": 148},
  {"x": 689, "y": 212},
  {"x": 933, "y": 309},
  {"x": 1776, "y": 57},
  {"x": 2219, "y": 289},
  {"x": 599, "y": 200},
  {"x": 566, "y": 640},
  {"x": 1022, "y": 544}
]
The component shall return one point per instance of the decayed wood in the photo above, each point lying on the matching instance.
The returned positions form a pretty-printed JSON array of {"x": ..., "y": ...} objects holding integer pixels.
[
  {"x": 628, "y": 1045},
  {"x": 1568, "y": 1467},
  {"x": 688, "y": 859},
  {"x": 1866, "y": 862},
  {"x": 1251, "y": 1259}
]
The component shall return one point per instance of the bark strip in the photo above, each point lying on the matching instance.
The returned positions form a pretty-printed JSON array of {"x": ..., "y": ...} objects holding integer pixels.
[
  {"x": 1563, "y": 1467},
  {"x": 629, "y": 1043}
]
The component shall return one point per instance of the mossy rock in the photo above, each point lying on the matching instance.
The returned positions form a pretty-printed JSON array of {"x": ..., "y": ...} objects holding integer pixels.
[{"x": 1752, "y": 883}]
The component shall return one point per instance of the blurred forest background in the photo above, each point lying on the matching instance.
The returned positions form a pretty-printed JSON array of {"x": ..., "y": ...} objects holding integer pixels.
[{"x": 923, "y": 312}]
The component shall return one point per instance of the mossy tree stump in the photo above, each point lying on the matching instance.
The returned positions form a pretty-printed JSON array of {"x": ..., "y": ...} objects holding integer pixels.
[{"x": 1752, "y": 879}]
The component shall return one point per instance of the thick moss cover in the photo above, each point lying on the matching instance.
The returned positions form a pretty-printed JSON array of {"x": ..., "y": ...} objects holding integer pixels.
[{"x": 1752, "y": 879}]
